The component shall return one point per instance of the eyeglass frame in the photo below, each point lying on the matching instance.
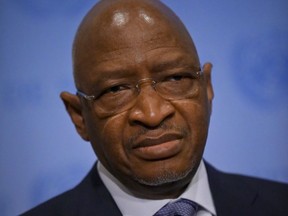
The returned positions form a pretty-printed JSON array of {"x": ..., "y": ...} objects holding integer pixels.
[{"x": 138, "y": 84}]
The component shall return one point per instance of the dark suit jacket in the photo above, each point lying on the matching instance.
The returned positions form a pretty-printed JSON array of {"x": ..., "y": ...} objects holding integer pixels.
[{"x": 234, "y": 195}]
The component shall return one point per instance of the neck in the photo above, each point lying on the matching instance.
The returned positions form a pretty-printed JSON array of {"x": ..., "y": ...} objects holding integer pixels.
[{"x": 164, "y": 191}]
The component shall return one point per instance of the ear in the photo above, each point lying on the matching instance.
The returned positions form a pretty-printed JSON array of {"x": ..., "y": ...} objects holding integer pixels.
[
  {"x": 207, "y": 69},
  {"x": 74, "y": 109}
]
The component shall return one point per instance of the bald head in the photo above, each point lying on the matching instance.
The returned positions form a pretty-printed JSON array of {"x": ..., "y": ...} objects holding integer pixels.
[{"x": 112, "y": 26}]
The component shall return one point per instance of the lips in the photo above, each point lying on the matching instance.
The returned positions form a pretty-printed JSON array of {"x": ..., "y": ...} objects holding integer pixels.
[{"x": 158, "y": 148}]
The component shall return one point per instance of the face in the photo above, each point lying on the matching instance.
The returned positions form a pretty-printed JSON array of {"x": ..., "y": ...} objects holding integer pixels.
[{"x": 156, "y": 143}]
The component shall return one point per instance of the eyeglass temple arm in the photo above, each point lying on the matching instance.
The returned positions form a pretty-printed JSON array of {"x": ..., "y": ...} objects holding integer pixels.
[{"x": 87, "y": 97}]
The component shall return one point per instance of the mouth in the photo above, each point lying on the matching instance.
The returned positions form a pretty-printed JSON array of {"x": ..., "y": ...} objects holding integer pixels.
[{"x": 158, "y": 148}]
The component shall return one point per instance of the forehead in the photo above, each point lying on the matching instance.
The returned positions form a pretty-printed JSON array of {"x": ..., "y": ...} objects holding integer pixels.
[
  {"x": 152, "y": 59},
  {"x": 125, "y": 38}
]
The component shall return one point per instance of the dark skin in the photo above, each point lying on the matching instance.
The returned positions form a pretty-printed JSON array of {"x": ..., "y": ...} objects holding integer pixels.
[{"x": 155, "y": 147}]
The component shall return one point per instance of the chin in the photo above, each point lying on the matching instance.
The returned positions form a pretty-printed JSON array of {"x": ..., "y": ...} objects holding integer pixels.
[{"x": 166, "y": 176}]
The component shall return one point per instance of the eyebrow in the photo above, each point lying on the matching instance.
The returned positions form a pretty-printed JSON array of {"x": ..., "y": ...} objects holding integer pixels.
[
  {"x": 179, "y": 61},
  {"x": 114, "y": 70},
  {"x": 112, "y": 74}
]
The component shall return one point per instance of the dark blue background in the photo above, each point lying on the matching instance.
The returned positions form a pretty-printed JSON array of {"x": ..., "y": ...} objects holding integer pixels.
[{"x": 40, "y": 153}]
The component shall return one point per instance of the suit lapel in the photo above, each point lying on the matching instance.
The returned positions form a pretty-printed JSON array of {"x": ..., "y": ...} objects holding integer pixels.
[
  {"x": 231, "y": 196},
  {"x": 95, "y": 198}
]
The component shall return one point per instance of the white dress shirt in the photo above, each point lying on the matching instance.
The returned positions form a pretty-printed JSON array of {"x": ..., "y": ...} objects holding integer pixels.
[{"x": 198, "y": 191}]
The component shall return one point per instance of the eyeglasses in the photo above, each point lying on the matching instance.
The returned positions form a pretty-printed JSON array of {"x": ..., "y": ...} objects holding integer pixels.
[{"x": 122, "y": 96}]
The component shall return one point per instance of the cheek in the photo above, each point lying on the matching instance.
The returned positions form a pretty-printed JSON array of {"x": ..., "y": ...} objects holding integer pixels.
[
  {"x": 196, "y": 117},
  {"x": 107, "y": 142}
]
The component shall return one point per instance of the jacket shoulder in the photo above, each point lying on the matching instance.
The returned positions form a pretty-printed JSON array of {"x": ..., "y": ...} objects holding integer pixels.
[
  {"x": 249, "y": 195},
  {"x": 90, "y": 197},
  {"x": 59, "y": 205}
]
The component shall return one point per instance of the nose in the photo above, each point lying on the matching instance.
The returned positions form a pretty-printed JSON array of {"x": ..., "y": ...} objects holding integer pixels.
[{"x": 150, "y": 109}]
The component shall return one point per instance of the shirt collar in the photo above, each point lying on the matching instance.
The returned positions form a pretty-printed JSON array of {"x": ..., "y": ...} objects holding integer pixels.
[{"x": 198, "y": 191}]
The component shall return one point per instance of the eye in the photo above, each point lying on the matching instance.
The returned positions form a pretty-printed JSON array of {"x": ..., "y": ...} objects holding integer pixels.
[
  {"x": 178, "y": 77},
  {"x": 175, "y": 78},
  {"x": 114, "y": 90}
]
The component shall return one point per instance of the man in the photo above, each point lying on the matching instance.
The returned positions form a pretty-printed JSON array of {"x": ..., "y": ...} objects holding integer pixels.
[{"x": 144, "y": 103}]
